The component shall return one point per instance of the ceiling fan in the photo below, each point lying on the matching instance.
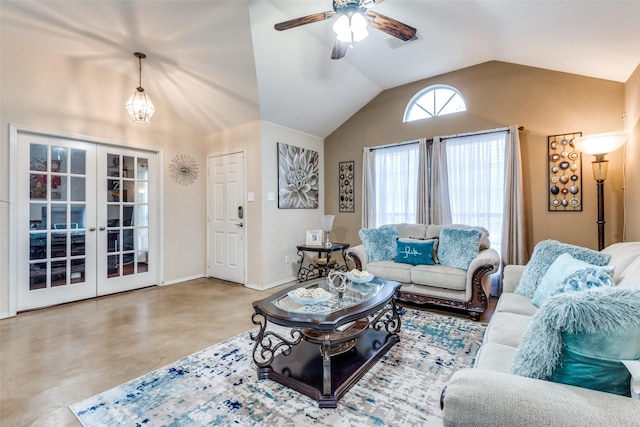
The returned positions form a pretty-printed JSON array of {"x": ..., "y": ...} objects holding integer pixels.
[{"x": 354, "y": 16}]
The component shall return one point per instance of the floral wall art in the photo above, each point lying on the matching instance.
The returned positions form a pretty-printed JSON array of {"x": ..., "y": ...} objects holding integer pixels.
[{"x": 297, "y": 177}]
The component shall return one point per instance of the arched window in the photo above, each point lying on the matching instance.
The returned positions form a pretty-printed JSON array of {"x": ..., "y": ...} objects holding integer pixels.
[{"x": 433, "y": 101}]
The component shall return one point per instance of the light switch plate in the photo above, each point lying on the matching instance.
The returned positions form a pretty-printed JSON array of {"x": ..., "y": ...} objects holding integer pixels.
[
  {"x": 271, "y": 196},
  {"x": 251, "y": 196}
]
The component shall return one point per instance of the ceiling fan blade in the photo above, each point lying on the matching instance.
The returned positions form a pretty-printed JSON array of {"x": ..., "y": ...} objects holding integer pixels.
[
  {"x": 316, "y": 17},
  {"x": 339, "y": 49},
  {"x": 390, "y": 26}
]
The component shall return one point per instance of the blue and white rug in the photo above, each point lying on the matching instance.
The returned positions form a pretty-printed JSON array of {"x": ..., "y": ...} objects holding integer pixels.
[{"x": 218, "y": 386}]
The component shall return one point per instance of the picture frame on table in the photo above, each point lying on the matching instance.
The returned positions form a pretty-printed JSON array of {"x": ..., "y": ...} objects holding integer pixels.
[{"x": 314, "y": 238}]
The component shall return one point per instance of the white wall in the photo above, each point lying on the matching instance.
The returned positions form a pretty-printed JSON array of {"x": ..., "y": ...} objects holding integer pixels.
[
  {"x": 55, "y": 93},
  {"x": 271, "y": 233}
]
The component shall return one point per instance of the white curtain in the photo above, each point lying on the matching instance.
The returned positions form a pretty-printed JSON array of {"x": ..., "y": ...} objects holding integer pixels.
[
  {"x": 476, "y": 181},
  {"x": 390, "y": 185},
  {"x": 424, "y": 154},
  {"x": 368, "y": 187},
  {"x": 513, "y": 230}
]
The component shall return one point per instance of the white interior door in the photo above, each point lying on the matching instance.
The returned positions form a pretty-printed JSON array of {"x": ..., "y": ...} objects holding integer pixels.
[
  {"x": 55, "y": 222},
  {"x": 86, "y": 220},
  {"x": 126, "y": 219},
  {"x": 226, "y": 217}
]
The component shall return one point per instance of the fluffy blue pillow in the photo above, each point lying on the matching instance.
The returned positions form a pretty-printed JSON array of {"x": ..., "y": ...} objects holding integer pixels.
[
  {"x": 379, "y": 243},
  {"x": 458, "y": 246},
  {"x": 584, "y": 279},
  {"x": 543, "y": 256},
  {"x": 564, "y": 266},
  {"x": 579, "y": 338},
  {"x": 415, "y": 252}
]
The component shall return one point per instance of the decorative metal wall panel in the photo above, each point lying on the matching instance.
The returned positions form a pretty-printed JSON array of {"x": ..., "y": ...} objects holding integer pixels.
[
  {"x": 565, "y": 173},
  {"x": 346, "y": 196}
]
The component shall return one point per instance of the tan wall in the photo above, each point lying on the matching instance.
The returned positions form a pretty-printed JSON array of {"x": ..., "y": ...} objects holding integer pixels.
[
  {"x": 62, "y": 95},
  {"x": 632, "y": 168},
  {"x": 498, "y": 94}
]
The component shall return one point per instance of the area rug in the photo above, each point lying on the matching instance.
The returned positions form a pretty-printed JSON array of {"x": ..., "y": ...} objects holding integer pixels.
[{"x": 218, "y": 386}]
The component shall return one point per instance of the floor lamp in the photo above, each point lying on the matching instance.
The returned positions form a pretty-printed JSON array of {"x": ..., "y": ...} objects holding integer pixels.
[{"x": 599, "y": 145}]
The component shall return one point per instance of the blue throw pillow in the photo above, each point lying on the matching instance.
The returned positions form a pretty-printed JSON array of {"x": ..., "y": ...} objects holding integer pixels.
[
  {"x": 559, "y": 270},
  {"x": 379, "y": 243},
  {"x": 415, "y": 252},
  {"x": 580, "y": 338},
  {"x": 543, "y": 256},
  {"x": 458, "y": 246},
  {"x": 584, "y": 279}
]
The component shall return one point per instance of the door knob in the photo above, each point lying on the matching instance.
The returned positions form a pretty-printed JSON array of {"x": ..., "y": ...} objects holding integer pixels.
[
  {"x": 102, "y": 228},
  {"x": 240, "y": 224},
  {"x": 92, "y": 229}
]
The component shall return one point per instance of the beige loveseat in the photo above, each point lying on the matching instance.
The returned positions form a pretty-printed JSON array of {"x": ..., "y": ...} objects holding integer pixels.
[
  {"x": 436, "y": 285},
  {"x": 489, "y": 395}
]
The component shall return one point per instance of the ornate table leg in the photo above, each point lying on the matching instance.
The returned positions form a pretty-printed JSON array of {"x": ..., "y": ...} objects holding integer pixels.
[
  {"x": 388, "y": 318},
  {"x": 268, "y": 343},
  {"x": 326, "y": 364}
]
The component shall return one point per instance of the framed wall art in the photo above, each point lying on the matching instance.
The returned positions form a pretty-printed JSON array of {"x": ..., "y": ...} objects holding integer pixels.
[
  {"x": 298, "y": 177},
  {"x": 346, "y": 196},
  {"x": 565, "y": 173}
]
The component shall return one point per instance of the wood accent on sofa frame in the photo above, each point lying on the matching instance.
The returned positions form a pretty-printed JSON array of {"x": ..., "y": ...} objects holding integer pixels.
[{"x": 475, "y": 307}]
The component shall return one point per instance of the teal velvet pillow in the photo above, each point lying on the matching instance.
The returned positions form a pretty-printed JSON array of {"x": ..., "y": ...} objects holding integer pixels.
[
  {"x": 458, "y": 246},
  {"x": 414, "y": 252},
  {"x": 558, "y": 271},
  {"x": 579, "y": 338},
  {"x": 544, "y": 253},
  {"x": 379, "y": 243}
]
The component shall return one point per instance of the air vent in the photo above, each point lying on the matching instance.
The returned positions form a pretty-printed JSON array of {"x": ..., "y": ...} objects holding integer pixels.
[{"x": 395, "y": 43}]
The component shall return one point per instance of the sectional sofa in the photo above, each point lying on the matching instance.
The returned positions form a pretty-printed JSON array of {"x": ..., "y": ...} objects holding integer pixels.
[{"x": 589, "y": 329}]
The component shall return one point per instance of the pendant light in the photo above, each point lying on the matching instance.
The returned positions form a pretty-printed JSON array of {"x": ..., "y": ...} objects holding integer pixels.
[{"x": 139, "y": 106}]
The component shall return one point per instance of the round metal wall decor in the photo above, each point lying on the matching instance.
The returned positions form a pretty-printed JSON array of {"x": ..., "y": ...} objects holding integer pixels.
[{"x": 183, "y": 169}]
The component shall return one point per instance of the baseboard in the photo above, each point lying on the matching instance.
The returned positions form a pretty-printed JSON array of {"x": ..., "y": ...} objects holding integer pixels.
[
  {"x": 270, "y": 285},
  {"x": 182, "y": 279},
  {"x": 4, "y": 315}
]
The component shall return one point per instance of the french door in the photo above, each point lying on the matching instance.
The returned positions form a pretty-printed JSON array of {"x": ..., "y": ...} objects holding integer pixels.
[{"x": 86, "y": 220}]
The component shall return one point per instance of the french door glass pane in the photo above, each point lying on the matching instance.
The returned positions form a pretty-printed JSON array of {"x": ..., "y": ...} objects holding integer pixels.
[{"x": 57, "y": 227}]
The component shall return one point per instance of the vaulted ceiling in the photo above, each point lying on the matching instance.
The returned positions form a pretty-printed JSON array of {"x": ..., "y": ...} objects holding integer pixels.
[{"x": 221, "y": 64}]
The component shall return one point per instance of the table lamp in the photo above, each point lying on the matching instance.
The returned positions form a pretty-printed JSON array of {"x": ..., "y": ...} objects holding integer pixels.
[{"x": 327, "y": 225}]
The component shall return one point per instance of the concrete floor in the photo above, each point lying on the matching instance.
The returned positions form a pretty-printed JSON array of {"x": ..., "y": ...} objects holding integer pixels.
[{"x": 53, "y": 357}]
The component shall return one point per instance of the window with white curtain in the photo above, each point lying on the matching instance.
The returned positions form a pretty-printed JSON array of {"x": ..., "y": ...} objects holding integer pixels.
[
  {"x": 396, "y": 184},
  {"x": 475, "y": 166}
]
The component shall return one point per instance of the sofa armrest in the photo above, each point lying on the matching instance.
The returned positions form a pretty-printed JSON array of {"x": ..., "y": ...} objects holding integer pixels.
[
  {"x": 512, "y": 275},
  {"x": 485, "y": 257},
  {"x": 478, "y": 397},
  {"x": 358, "y": 256}
]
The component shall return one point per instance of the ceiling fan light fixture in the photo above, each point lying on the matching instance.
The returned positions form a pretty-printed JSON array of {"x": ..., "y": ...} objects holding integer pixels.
[
  {"x": 139, "y": 105},
  {"x": 351, "y": 27}
]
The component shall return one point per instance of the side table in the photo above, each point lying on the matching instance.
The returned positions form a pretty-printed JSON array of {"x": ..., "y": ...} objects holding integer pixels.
[{"x": 314, "y": 269}]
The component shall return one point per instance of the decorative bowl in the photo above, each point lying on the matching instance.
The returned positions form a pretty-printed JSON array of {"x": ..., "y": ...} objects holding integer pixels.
[
  {"x": 308, "y": 301},
  {"x": 360, "y": 279}
]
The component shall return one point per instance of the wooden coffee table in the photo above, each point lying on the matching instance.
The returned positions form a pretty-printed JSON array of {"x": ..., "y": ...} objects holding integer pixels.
[{"x": 330, "y": 345}]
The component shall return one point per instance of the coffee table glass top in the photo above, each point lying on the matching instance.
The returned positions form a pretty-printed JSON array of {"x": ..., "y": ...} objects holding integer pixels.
[{"x": 355, "y": 294}]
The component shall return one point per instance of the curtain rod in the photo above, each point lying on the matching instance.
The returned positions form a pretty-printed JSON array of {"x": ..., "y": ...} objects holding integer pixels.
[
  {"x": 442, "y": 138},
  {"x": 484, "y": 132}
]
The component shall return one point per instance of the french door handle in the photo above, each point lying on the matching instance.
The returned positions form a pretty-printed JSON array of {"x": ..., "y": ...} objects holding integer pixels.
[
  {"x": 92, "y": 229},
  {"x": 102, "y": 228}
]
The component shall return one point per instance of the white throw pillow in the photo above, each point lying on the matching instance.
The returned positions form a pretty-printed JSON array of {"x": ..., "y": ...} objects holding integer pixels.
[{"x": 563, "y": 266}]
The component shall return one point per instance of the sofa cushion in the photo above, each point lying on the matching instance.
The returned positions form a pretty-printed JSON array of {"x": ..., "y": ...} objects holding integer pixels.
[
  {"x": 415, "y": 231},
  {"x": 495, "y": 357},
  {"x": 544, "y": 253},
  {"x": 514, "y": 303},
  {"x": 379, "y": 243},
  {"x": 458, "y": 247},
  {"x": 560, "y": 269},
  {"x": 625, "y": 257},
  {"x": 579, "y": 338},
  {"x": 506, "y": 328},
  {"x": 391, "y": 270},
  {"x": 439, "y": 276},
  {"x": 414, "y": 251}
]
